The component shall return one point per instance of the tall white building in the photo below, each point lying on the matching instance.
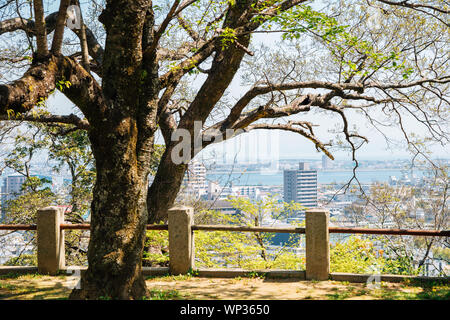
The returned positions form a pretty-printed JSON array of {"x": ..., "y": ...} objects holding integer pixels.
[
  {"x": 194, "y": 182},
  {"x": 10, "y": 190},
  {"x": 300, "y": 185}
]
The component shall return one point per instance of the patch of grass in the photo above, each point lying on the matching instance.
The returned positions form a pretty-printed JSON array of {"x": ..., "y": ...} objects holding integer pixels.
[
  {"x": 157, "y": 276},
  {"x": 438, "y": 293},
  {"x": 169, "y": 277},
  {"x": 16, "y": 275},
  {"x": 256, "y": 275},
  {"x": 334, "y": 289},
  {"x": 431, "y": 290},
  {"x": 193, "y": 272},
  {"x": 384, "y": 294},
  {"x": 158, "y": 294},
  {"x": 427, "y": 283},
  {"x": 361, "y": 292},
  {"x": 425, "y": 290},
  {"x": 8, "y": 291},
  {"x": 340, "y": 295},
  {"x": 7, "y": 286}
]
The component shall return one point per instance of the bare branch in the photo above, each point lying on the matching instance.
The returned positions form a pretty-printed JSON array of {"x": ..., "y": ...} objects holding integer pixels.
[
  {"x": 290, "y": 127},
  {"x": 162, "y": 28},
  {"x": 407, "y": 4},
  {"x": 27, "y": 25}
]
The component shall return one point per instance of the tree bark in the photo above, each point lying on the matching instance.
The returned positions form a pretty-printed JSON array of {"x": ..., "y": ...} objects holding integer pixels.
[
  {"x": 122, "y": 144},
  {"x": 118, "y": 217},
  {"x": 164, "y": 189}
]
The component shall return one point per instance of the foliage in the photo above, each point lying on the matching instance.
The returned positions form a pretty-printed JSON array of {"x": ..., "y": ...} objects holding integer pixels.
[
  {"x": 423, "y": 206},
  {"x": 355, "y": 255},
  {"x": 23, "y": 208},
  {"x": 22, "y": 260},
  {"x": 214, "y": 249},
  {"x": 158, "y": 151},
  {"x": 71, "y": 152},
  {"x": 233, "y": 249},
  {"x": 156, "y": 248},
  {"x": 301, "y": 19},
  {"x": 244, "y": 249},
  {"x": 358, "y": 254},
  {"x": 442, "y": 253},
  {"x": 67, "y": 151},
  {"x": 158, "y": 294}
]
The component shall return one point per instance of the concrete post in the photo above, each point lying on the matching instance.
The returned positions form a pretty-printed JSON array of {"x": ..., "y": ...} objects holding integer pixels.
[
  {"x": 181, "y": 243},
  {"x": 50, "y": 240},
  {"x": 317, "y": 244}
]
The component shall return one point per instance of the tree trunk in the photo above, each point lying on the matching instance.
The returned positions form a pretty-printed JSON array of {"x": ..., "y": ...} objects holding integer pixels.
[
  {"x": 121, "y": 141},
  {"x": 164, "y": 189},
  {"x": 118, "y": 217}
]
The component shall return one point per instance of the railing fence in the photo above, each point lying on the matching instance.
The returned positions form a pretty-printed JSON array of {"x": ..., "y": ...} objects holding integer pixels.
[{"x": 51, "y": 252}]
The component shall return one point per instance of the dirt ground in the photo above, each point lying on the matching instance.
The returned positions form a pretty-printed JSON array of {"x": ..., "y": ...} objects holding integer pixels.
[
  {"x": 27, "y": 287},
  {"x": 273, "y": 289}
]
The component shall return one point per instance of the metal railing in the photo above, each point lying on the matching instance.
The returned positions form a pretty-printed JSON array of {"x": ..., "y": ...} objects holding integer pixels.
[{"x": 400, "y": 232}]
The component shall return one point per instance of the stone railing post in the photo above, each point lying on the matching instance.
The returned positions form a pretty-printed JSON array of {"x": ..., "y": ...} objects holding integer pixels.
[
  {"x": 50, "y": 240},
  {"x": 181, "y": 242},
  {"x": 317, "y": 244}
]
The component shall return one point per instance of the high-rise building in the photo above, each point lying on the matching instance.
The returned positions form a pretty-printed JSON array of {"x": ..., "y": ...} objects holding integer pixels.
[
  {"x": 300, "y": 185},
  {"x": 11, "y": 188},
  {"x": 194, "y": 182}
]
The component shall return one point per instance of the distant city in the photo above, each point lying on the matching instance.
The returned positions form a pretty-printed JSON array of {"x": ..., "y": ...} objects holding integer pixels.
[{"x": 310, "y": 182}]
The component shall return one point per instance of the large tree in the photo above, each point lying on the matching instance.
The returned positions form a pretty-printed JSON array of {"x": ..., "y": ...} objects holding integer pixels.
[{"x": 134, "y": 73}]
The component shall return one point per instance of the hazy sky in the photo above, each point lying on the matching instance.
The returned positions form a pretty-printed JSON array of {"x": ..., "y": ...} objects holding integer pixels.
[
  {"x": 281, "y": 145},
  {"x": 276, "y": 144}
]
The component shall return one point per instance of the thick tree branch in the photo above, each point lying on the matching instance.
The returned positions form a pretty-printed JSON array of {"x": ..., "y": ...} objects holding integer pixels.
[
  {"x": 188, "y": 64},
  {"x": 41, "y": 33},
  {"x": 42, "y": 79},
  {"x": 27, "y": 25},
  {"x": 59, "y": 28},
  {"x": 58, "y": 119}
]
